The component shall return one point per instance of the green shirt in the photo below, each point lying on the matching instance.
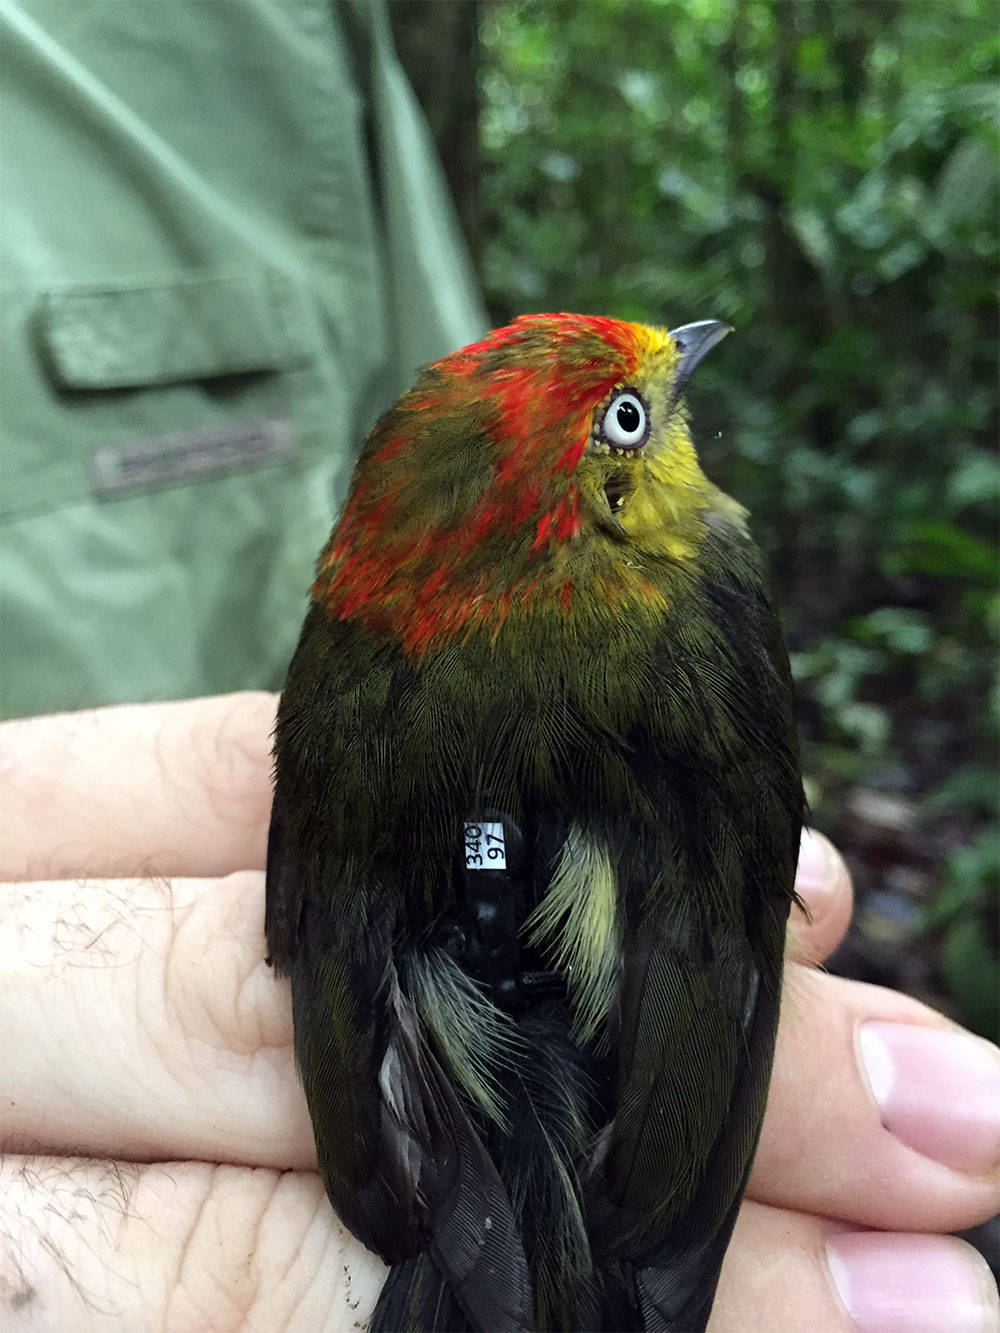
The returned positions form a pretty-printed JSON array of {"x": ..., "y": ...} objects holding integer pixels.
[{"x": 225, "y": 247}]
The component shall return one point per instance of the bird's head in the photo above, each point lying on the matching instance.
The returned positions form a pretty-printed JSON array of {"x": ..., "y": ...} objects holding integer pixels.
[{"x": 553, "y": 448}]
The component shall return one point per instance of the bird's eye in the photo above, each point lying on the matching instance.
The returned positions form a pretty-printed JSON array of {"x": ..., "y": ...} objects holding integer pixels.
[{"x": 626, "y": 421}]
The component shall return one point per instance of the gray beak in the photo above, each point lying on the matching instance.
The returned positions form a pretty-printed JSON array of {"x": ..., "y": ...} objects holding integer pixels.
[{"x": 696, "y": 341}]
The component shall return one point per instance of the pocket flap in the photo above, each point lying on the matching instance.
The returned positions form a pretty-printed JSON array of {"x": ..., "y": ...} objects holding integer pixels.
[{"x": 198, "y": 325}]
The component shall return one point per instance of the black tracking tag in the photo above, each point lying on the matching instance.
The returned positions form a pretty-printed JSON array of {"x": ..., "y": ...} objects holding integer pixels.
[{"x": 497, "y": 893}]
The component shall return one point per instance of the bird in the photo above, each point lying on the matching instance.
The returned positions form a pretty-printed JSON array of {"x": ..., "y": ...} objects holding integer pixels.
[{"x": 536, "y": 814}]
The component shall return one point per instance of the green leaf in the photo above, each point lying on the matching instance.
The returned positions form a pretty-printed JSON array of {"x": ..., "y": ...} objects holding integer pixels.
[
  {"x": 973, "y": 972},
  {"x": 933, "y": 546},
  {"x": 967, "y": 184},
  {"x": 901, "y": 630},
  {"x": 976, "y": 480}
]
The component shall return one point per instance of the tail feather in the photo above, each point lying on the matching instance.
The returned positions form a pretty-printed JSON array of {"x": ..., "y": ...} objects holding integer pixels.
[
  {"x": 609, "y": 1304},
  {"x": 417, "y": 1296},
  {"x": 551, "y": 1113},
  {"x": 675, "y": 1292}
]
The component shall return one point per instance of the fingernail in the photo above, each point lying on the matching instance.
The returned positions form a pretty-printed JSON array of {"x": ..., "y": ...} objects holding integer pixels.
[
  {"x": 911, "y": 1284},
  {"x": 817, "y": 873},
  {"x": 937, "y": 1091}
]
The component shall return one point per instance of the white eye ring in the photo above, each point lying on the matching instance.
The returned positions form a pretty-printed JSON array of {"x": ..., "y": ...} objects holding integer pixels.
[{"x": 626, "y": 421}]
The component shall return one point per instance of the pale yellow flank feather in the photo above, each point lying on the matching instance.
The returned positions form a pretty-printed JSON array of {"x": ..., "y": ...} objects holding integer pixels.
[{"x": 576, "y": 927}]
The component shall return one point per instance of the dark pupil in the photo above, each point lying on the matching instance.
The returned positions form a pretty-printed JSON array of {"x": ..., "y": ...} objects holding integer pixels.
[{"x": 628, "y": 417}]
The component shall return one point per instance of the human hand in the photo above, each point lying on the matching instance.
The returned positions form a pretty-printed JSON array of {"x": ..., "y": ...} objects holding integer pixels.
[{"x": 159, "y": 1169}]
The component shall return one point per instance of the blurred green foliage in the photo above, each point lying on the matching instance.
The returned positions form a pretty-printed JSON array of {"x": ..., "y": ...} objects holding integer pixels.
[{"x": 823, "y": 174}]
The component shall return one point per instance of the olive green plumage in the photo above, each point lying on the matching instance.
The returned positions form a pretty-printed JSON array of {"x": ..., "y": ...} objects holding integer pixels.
[{"x": 572, "y": 1159}]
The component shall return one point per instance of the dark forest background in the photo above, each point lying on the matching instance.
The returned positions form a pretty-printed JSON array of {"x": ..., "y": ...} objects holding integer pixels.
[{"x": 824, "y": 175}]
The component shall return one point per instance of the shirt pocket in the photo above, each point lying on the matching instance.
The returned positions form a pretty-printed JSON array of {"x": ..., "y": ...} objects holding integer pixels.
[
  {"x": 193, "y": 326},
  {"x": 143, "y": 383}
]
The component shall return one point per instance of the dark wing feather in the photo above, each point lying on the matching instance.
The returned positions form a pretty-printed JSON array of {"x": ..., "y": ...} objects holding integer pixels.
[
  {"x": 698, "y": 999},
  {"x": 282, "y": 898},
  {"x": 692, "y": 1082},
  {"x": 400, "y": 1158}
]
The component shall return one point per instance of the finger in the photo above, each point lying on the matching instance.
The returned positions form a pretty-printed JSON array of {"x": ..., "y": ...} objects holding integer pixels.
[
  {"x": 169, "y": 789},
  {"x": 788, "y": 1272},
  {"x": 140, "y": 1020},
  {"x": 823, "y": 883},
  {"x": 880, "y": 1112},
  {"x": 103, "y": 1246},
  {"x": 145, "y": 1023},
  {"x": 98, "y": 1247}
]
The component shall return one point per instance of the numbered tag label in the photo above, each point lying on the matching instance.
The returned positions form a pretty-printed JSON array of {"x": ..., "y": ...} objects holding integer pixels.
[{"x": 484, "y": 847}]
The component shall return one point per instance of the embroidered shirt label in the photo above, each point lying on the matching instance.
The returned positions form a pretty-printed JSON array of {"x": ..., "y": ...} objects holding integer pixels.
[
  {"x": 190, "y": 455},
  {"x": 484, "y": 847}
]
